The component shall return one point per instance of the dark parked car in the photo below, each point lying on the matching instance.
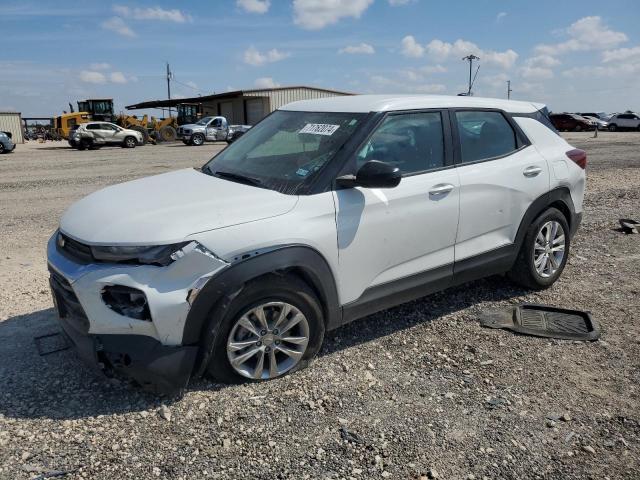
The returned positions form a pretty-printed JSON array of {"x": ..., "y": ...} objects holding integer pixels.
[{"x": 571, "y": 121}]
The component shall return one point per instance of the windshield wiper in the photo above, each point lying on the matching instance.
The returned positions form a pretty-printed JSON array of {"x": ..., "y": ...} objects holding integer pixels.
[{"x": 237, "y": 177}]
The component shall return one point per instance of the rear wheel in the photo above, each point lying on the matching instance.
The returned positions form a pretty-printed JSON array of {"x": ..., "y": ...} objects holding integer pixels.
[
  {"x": 272, "y": 328},
  {"x": 129, "y": 142},
  {"x": 544, "y": 251},
  {"x": 143, "y": 131},
  {"x": 197, "y": 139},
  {"x": 168, "y": 134}
]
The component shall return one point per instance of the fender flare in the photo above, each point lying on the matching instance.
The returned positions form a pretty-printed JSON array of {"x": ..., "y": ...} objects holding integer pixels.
[
  {"x": 215, "y": 296},
  {"x": 559, "y": 197}
]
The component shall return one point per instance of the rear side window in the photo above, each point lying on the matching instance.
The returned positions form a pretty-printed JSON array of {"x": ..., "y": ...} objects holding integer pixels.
[
  {"x": 484, "y": 135},
  {"x": 93, "y": 126},
  {"x": 413, "y": 142}
]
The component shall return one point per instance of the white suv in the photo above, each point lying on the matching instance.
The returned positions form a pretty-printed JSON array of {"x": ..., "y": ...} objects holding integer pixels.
[
  {"x": 326, "y": 211},
  {"x": 624, "y": 121}
]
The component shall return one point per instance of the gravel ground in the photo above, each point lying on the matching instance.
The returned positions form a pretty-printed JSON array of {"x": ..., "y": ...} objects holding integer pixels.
[{"x": 416, "y": 391}]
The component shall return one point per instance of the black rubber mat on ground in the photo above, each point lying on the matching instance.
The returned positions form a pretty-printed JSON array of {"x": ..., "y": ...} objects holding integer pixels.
[{"x": 543, "y": 321}]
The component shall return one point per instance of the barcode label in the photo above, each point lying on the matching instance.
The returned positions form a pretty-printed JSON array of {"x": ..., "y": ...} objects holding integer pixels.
[{"x": 319, "y": 129}]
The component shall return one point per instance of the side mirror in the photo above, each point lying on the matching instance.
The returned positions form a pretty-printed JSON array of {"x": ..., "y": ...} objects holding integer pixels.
[{"x": 373, "y": 174}]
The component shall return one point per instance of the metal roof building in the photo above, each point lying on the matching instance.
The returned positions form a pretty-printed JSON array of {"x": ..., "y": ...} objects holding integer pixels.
[
  {"x": 245, "y": 106},
  {"x": 12, "y": 122}
]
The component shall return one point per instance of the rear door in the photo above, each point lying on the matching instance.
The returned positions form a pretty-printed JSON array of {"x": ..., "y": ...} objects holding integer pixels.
[
  {"x": 501, "y": 174},
  {"x": 388, "y": 238}
]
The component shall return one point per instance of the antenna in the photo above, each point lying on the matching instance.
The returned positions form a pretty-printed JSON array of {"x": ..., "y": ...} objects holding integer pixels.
[
  {"x": 470, "y": 58},
  {"x": 509, "y": 89}
]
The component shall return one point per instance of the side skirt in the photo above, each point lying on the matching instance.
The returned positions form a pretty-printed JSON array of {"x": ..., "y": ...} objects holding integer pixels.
[{"x": 391, "y": 294}]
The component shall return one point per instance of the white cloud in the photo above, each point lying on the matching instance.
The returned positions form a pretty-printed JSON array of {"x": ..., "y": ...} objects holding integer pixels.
[
  {"x": 265, "y": 82},
  {"x": 588, "y": 33},
  {"x": 536, "y": 73},
  {"x": 630, "y": 70},
  {"x": 621, "y": 54},
  {"x": 546, "y": 61},
  {"x": 433, "y": 69},
  {"x": 254, "y": 6},
  {"x": 397, "y": 3},
  {"x": 317, "y": 14},
  {"x": 117, "y": 77},
  {"x": 89, "y": 76},
  {"x": 117, "y": 25},
  {"x": 253, "y": 56},
  {"x": 99, "y": 66},
  {"x": 443, "y": 50},
  {"x": 362, "y": 49},
  {"x": 411, "y": 48},
  {"x": 500, "y": 16},
  {"x": 152, "y": 13}
]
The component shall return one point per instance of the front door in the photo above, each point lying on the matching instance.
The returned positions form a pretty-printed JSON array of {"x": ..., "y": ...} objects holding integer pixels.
[
  {"x": 500, "y": 176},
  {"x": 387, "y": 237}
]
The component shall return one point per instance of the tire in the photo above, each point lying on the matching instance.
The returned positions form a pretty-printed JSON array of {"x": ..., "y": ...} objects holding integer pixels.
[
  {"x": 167, "y": 134},
  {"x": 197, "y": 139},
  {"x": 578, "y": 128},
  {"x": 270, "y": 290},
  {"x": 129, "y": 142},
  {"x": 613, "y": 127},
  {"x": 524, "y": 271},
  {"x": 1, "y": 148},
  {"x": 143, "y": 131},
  {"x": 85, "y": 144}
]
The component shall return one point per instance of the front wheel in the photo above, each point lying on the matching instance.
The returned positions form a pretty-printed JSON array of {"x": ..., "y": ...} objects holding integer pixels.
[
  {"x": 613, "y": 128},
  {"x": 129, "y": 142},
  {"x": 273, "y": 327},
  {"x": 578, "y": 128},
  {"x": 544, "y": 251},
  {"x": 197, "y": 139},
  {"x": 1, "y": 148}
]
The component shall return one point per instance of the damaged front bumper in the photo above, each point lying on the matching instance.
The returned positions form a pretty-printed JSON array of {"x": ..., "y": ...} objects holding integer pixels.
[{"x": 149, "y": 351}]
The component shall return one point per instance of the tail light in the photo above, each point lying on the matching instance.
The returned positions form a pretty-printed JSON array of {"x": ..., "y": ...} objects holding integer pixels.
[{"x": 579, "y": 157}]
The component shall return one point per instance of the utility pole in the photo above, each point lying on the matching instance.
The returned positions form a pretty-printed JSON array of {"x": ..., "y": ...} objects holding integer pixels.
[
  {"x": 169, "y": 75},
  {"x": 509, "y": 90},
  {"x": 470, "y": 59}
]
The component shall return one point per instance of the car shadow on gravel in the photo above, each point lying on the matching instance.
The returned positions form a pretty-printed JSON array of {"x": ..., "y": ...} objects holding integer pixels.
[{"x": 60, "y": 386}]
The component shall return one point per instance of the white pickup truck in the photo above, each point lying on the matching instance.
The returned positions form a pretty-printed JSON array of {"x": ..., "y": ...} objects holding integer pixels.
[{"x": 210, "y": 129}]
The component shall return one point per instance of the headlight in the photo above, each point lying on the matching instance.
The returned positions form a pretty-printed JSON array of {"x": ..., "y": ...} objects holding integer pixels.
[{"x": 155, "y": 255}]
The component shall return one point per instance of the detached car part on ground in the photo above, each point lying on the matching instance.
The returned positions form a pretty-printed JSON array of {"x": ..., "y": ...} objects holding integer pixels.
[
  {"x": 210, "y": 129},
  {"x": 6, "y": 144},
  {"x": 93, "y": 135},
  {"x": 326, "y": 211}
]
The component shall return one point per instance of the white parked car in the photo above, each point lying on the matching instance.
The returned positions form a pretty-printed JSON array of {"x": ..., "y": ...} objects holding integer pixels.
[
  {"x": 326, "y": 211},
  {"x": 92, "y": 135},
  {"x": 599, "y": 123},
  {"x": 624, "y": 121}
]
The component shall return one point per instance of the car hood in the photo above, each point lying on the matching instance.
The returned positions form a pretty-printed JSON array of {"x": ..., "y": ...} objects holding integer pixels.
[{"x": 167, "y": 208}]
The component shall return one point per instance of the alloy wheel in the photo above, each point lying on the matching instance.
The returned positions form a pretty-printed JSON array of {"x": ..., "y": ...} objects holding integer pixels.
[
  {"x": 268, "y": 340},
  {"x": 549, "y": 249}
]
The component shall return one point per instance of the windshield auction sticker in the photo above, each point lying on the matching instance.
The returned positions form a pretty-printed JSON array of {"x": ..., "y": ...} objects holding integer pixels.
[{"x": 319, "y": 129}]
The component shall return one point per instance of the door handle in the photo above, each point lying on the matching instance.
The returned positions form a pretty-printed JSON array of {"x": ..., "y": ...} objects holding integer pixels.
[
  {"x": 531, "y": 171},
  {"x": 441, "y": 189}
]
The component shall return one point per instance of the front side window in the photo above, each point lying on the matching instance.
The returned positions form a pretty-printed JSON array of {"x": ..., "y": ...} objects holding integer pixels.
[
  {"x": 286, "y": 149},
  {"x": 413, "y": 142},
  {"x": 204, "y": 121},
  {"x": 93, "y": 126},
  {"x": 484, "y": 135}
]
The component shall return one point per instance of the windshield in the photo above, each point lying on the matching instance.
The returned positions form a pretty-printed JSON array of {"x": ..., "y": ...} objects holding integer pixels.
[
  {"x": 204, "y": 121},
  {"x": 286, "y": 149}
]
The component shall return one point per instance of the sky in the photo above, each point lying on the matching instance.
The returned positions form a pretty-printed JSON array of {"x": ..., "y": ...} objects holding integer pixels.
[{"x": 571, "y": 55}]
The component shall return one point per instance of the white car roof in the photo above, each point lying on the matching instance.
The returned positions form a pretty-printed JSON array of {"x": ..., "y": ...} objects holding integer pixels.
[{"x": 386, "y": 103}]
